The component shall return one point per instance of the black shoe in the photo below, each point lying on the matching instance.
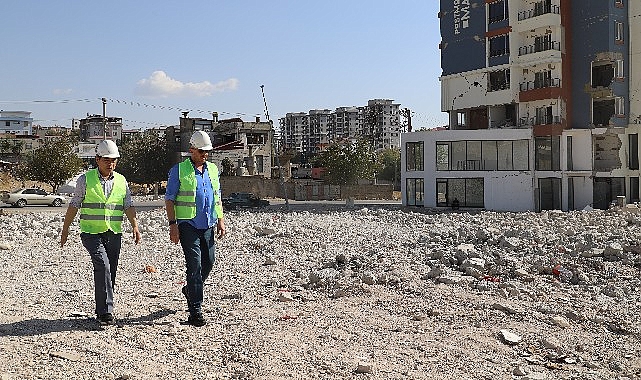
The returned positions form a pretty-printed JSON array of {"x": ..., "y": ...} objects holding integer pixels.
[
  {"x": 197, "y": 320},
  {"x": 106, "y": 319},
  {"x": 184, "y": 290}
]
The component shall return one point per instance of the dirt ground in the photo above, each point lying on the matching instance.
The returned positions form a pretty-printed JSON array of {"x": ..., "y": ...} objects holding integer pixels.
[{"x": 8, "y": 183}]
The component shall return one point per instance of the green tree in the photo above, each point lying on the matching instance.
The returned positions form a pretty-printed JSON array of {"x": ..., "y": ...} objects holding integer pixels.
[
  {"x": 53, "y": 163},
  {"x": 16, "y": 148},
  {"x": 145, "y": 159},
  {"x": 346, "y": 163},
  {"x": 5, "y": 145},
  {"x": 389, "y": 165}
]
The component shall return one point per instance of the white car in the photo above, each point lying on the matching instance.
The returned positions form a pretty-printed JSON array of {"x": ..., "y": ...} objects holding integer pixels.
[{"x": 31, "y": 196}]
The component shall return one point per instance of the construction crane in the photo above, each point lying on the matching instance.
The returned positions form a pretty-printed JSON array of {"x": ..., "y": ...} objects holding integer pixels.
[{"x": 274, "y": 148}]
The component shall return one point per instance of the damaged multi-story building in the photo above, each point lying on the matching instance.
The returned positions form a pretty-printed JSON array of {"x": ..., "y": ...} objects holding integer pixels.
[
  {"x": 95, "y": 128},
  {"x": 544, "y": 107},
  {"x": 247, "y": 145}
]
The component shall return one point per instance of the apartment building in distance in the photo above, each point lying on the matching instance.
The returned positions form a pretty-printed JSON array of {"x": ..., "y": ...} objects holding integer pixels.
[
  {"x": 544, "y": 108},
  {"x": 19, "y": 123},
  {"x": 310, "y": 133}
]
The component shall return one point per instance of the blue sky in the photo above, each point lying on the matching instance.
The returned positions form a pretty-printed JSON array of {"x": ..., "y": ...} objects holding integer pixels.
[{"x": 152, "y": 59}]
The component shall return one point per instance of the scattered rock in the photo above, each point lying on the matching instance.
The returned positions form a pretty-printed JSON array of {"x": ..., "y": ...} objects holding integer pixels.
[
  {"x": 350, "y": 279},
  {"x": 65, "y": 355},
  {"x": 560, "y": 321},
  {"x": 285, "y": 296},
  {"x": 364, "y": 367},
  {"x": 510, "y": 337}
]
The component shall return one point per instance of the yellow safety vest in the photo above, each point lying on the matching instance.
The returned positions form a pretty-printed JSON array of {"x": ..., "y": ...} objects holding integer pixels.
[
  {"x": 185, "y": 203},
  {"x": 99, "y": 214}
]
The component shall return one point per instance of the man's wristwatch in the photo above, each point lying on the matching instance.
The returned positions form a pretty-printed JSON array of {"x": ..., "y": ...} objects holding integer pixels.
[{"x": 172, "y": 222}]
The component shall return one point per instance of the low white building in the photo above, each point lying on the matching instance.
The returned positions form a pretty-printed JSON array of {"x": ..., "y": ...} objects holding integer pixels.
[{"x": 513, "y": 170}]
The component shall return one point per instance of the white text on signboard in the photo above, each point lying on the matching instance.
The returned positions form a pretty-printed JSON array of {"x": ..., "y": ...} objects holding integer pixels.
[{"x": 461, "y": 15}]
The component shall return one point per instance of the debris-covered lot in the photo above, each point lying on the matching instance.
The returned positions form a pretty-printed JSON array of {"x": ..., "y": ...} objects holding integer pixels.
[{"x": 371, "y": 293}]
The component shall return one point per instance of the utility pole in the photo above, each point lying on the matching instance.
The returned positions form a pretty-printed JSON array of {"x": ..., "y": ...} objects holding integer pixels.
[
  {"x": 275, "y": 149},
  {"x": 104, "y": 118}
]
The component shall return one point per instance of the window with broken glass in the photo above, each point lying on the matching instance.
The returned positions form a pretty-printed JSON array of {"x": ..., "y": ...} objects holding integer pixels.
[
  {"x": 414, "y": 191},
  {"x": 602, "y": 74},
  {"x": 602, "y": 111},
  {"x": 633, "y": 154},
  {"x": 414, "y": 153},
  {"x": 549, "y": 193},
  {"x": 498, "y": 80},
  {"x": 497, "y": 11},
  {"x": 469, "y": 192},
  {"x": 606, "y": 190},
  {"x": 474, "y": 155},
  {"x": 499, "y": 45},
  {"x": 634, "y": 189},
  {"x": 547, "y": 153}
]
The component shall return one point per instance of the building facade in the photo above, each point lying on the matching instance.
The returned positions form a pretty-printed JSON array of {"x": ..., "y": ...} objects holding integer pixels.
[
  {"x": 17, "y": 123},
  {"x": 542, "y": 104},
  {"x": 95, "y": 128},
  {"x": 247, "y": 145}
]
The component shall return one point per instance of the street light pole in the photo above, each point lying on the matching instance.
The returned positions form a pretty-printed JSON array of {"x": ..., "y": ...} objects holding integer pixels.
[{"x": 104, "y": 118}]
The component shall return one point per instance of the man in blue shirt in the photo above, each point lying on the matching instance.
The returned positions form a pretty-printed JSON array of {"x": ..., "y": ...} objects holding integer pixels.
[{"x": 193, "y": 205}]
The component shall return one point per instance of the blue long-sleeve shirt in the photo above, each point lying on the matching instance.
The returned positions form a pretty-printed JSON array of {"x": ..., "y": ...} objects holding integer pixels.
[{"x": 205, "y": 213}]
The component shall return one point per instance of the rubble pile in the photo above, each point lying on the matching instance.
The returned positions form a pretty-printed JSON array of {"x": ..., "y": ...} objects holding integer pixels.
[{"x": 377, "y": 293}]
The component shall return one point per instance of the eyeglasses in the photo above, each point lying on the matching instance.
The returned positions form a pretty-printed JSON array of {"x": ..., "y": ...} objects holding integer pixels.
[{"x": 203, "y": 151}]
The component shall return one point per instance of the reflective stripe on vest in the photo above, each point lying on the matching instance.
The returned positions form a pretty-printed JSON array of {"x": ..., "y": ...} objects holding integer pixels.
[
  {"x": 99, "y": 214},
  {"x": 185, "y": 203}
]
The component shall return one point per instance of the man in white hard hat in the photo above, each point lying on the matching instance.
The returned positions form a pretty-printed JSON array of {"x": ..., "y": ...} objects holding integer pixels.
[
  {"x": 193, "y": 205},
  {"x": 103, "y": 197}
]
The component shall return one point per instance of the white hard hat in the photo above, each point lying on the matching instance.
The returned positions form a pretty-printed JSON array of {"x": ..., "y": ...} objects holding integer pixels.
[
  {"x": 107, "y": 149},
  {"x": 200, "y": 140}
]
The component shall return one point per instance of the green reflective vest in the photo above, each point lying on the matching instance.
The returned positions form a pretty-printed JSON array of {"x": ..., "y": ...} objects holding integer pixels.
[
  {"x": 99, "y": 214},
  {"x": 185, "y": 203}
]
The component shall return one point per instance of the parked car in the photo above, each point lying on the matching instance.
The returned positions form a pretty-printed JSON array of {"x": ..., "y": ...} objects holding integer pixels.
[
  {"x": 236, "y": 201},
  {"x": 32, "y": 196}
]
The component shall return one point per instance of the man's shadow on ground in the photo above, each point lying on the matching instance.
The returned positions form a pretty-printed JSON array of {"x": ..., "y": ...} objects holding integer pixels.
[{"x": 34, "y": 327}]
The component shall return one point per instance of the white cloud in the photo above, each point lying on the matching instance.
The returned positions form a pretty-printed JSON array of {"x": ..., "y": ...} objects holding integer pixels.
[
  {"x": 160, "y": 85},
  {"x": 62, "y": 91}
]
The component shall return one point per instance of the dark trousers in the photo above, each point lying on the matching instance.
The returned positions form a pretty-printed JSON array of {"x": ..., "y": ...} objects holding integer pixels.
[
  {"x": 200, "y": 254},
  {"x": 104, "y": 249}
]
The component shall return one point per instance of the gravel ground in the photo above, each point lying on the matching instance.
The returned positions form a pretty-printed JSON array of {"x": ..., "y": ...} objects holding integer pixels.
[{"x": 335, "y": 293}]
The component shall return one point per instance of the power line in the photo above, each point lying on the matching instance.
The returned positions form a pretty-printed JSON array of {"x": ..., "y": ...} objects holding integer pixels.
[{"x": 127, "y": 103}]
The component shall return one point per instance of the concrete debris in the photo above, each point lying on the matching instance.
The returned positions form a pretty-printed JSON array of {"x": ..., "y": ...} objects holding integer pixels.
[
  {"x": 65, "y": 355},
  {"x": 416, "y": 293},
  {"x": 560, "y": 321},
  {"x": 364, "y": 367},
  {"x": 509, "y": 337},
  {"x": 285, "y": 297}
]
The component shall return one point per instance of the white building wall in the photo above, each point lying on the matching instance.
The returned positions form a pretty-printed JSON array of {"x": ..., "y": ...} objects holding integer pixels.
[
  {"x": 503, "y": 190},
  {"x": 463, "y": 91},
  {"x": 581, "y": 149}
]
